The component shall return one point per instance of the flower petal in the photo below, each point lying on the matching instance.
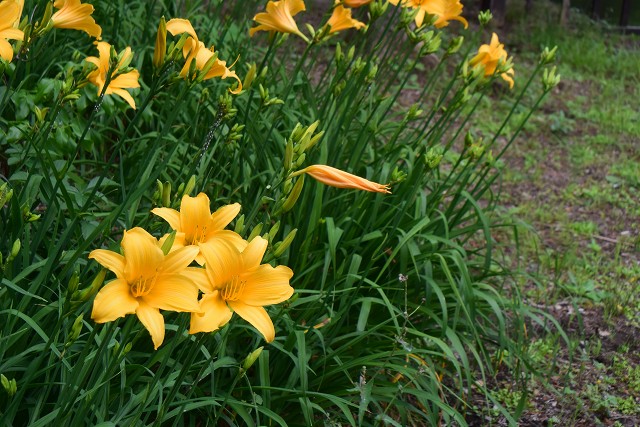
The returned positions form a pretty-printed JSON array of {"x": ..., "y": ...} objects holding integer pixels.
[
  {"x": 173, "y": 292},
  {"x": 178, "y": 26},
  {"x": 152, "y": 319},
  {"x": 110, "y": 260},
  {"x": 195, "y": 214},
  {"x": 200, "y": 278},
  {"x": 142, "y": 254},
  {"x": 224, "y": 215},
  {"x": 258, "y": 318},
  {"x": 179, "y": 259},
  {"x": 215, "y": 314},
  {"x": 267, "y": 285},
  {"x": 172, "y": 216},
  {"x": 222, "y": 260},
  {"x": 254, "y": 252},
  {"x": 113, "y": 301},
  {"x": 6, "y": 51}
]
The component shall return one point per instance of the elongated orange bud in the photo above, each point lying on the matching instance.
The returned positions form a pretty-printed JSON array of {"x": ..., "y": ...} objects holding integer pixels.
[{"x": 341, "y": 179}]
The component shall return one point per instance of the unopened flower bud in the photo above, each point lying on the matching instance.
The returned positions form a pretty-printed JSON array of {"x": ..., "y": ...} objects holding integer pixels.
[
  {"x": 455, "y": 45},
  {"x": 274, "y": 231},
  {"x": 160, "y": 50},
  {"x": 485, "y": 17},
  {"x": 251, "y": 358},
  {"x": 293, "y": 195},
  {"x": 6, "y": 193},
  {"x": 239, "y": 228},
  {"x": 255, "y": 232},
  {"x": 433, "y": 157},
  {"x": 548, "y": 55},
  {"x": 76, "y": 328},
  {"x": 15, "y": 249},
  {"x": 284, "y": 245},
  {"x": 191, "y": 184},
  {"x": 166, "y": 193},
  {"x": 550, "y": 79}
]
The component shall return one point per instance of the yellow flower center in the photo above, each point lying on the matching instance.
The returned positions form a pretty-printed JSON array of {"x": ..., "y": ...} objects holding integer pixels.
[
  {"x": 233, "y": 289},
  {"x": 143, "y": 285},
  {"x": 199, "y": 235}
]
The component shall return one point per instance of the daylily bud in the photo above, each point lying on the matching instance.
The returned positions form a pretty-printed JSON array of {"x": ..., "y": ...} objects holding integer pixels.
[
  {"x": 288, "y": 155},
  {"x": 378, "y": 8},
  {"x": 300, "y": 160},
  {"x": 548, "y": 55},
  {"x": 550, "y": 79},
  {"x": 338, "y": 55},
  {"x": 5, "y": 194},
  {"x": 274, "y": 230},
  {"x": 76, "y": 328},
  {"x": 73, "y": 283},
  {"x": 239, "y": 228},
  {"x": 414, "y": 112},
  {"x": 15, "y": 249},
  {"x": 294, "y": 195},
  {"x": 251, "y": 358},
  {"x": 485, "y": 17},
  {"x": 455, "y": 45},
  {"x": 255, "y": 232},
  {"x": 168, "y": 242},
  {"x": 433, "y": 157},
  {"x": 160, "y": 50},
  {"x": 10, "y": 386},
  {"x": 284, "y": 245},
  {"x": 250, "y": 76},
  {"x": 84, "y": 294},
  {"x": 350, "y": 53},
  {"x": 166, "y": 194},
  {"x": 191, "y": 184}
]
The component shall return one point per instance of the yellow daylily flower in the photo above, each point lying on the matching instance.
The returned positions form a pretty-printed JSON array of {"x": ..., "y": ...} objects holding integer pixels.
[
  {"x": 490, "y": 56},
  {"x": 235, "y": 280},
  {"x": 119, "y": 81},
  {"x": 341, "y": 179},
  {"x": 341, "y": 19},
  {"x": 202, "y": 55},
  {"x": 356, "y": 3},
  {"x": 9, "y": 13},
  {"x": 195, "y": 49},
  {"x": 20, "y": 4},
  {"x": 195, "y": 224},
  {"x": 147, "y": 281},
  {"x": 74, "y": 15},
  {"x": 279, "y": 17},
  {"x": 445, "y": 10}
]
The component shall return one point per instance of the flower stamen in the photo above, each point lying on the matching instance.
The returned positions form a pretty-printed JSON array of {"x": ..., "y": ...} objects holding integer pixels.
[
  {"x": 143, "y": 286},
  {"x": 233, "y": 289}
]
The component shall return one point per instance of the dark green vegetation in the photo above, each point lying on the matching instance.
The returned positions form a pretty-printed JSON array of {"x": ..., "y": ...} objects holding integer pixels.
[{"x": 574, "y": 179}]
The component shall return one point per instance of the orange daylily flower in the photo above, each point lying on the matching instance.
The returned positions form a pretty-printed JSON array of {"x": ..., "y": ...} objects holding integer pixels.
[
  {"x": 119, "y": 81},
  {"x": 341, "y": 19},
  {"x": 235, "y": 280},
  {"x": 341, "y": 179},
  {"x": 356, "y": 3},
  {"x": 147, "y": 281},
  {"x": 195, "y": 224},
  {"x": 490, "y": 56},
  {"x": 9, "y": 13},
  {"x": 195, "y": 49},
  {"x": 279, "y": 17},
  {"x": 74, "y": 15},
  {"x": 445, "y": 10}
]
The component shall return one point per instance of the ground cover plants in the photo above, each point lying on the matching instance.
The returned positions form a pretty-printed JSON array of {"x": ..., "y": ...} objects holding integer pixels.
[
  {"x": 569, "y": 182},
  {"x": 264, "y": 233}
]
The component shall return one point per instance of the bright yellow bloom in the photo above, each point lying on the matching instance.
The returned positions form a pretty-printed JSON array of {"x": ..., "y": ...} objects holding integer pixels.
[
  {"x": 490, "y": 56},
  {"x": 147, "y": 281},
  {"x": 235, "y": 280},
  {"x": 341, "y": 179},
  {"x": 445, "y": 10},
  {"x": 9, "y": 13},
  {"x": 20, "y": 4},
  {"x": 195, "y": 49},
  {"x": 74, "y": 15},
  {"x": 195, "y": 224},
  {"x": 118, "y": 82},
  {"x": 341, "y": 20},
  {"x": 202, "y": 55},
  {"x": 279, "y": 17},
  {"x": 356, "y": 3}
]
